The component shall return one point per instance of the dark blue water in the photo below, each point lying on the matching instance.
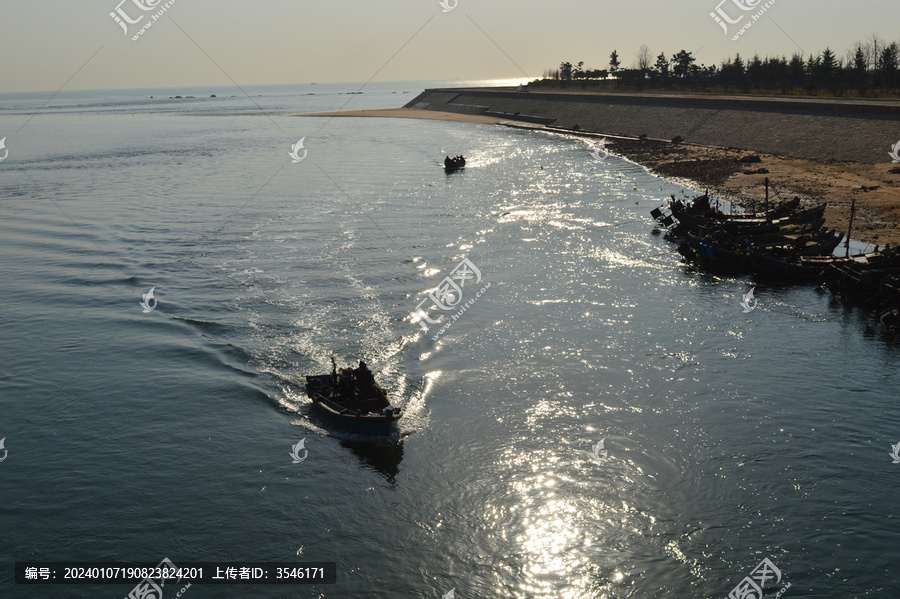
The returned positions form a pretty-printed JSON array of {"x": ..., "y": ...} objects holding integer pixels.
[{"x": 134, "y": 436}]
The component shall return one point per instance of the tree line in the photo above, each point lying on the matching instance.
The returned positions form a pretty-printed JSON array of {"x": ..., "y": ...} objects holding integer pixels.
[{"x": 870, "y": 68}]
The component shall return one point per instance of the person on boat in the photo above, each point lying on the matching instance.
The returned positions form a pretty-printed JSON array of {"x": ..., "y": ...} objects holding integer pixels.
[
  {"x": 365, "y": 380},
  {"x": 334, "y": 375},
  {"x": 448, "y": 162},
  {"x": 346, "y": 382}
]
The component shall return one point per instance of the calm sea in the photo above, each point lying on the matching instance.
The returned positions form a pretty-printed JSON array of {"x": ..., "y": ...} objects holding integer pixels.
[{"x": 728, "y": 437}]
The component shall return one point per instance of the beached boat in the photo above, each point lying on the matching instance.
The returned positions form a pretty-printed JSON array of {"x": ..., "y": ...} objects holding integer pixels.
[
  {"x": 809, "y": 268},
  {"x": 787, "y": 243},
  {"x": 818, "y": 243},
  {"x": 361, "y": 410},
  {"x": 695, "y": 221},
  {"x": 701, "y": 207},
  {"x": 874, "y": 287},
  {"x": 725, "y": 252}
]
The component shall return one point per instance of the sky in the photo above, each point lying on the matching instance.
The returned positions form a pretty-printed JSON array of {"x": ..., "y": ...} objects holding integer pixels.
[{"x": 48, "y": 45}]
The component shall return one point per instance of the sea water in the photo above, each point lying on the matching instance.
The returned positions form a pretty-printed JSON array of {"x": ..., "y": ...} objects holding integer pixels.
[{"x": 728, "y": 437}]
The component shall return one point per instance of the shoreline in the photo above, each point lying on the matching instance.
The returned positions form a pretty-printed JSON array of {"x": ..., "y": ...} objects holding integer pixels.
[
  {"x": 409, "y": 113},
  {"x": 874, "y": 186}
]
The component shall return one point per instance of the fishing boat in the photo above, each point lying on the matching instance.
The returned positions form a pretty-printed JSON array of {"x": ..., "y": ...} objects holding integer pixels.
[
  {"x": 359, "y": 408},
  {"x": 817, "y": 243},
  {"x": 695, "y": 221},
  {"x": 806, "y": 268},
  {"x": 454, "y": 164},
  {"x": 727, "y": 252},
  {"x": 787, "y": 243},
  {"x": 702, "y": 209},
  {"x": 874, "y": 287}
]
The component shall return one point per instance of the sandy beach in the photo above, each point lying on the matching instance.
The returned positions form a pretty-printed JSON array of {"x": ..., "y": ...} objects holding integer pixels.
[
  {"x": 873, "y": 186},
  {"x": 412, "y": 113}
]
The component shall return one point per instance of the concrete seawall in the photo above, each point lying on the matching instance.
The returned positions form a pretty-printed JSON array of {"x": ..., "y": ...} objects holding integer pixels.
[{"x": 842, "y": 130}]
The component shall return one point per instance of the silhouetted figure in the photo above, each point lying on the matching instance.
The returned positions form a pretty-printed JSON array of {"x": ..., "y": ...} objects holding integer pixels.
[
  {"x": 334, "y": 376},
  {"x": 365, "y": 380},
  {"x": 346, "y": 382}
]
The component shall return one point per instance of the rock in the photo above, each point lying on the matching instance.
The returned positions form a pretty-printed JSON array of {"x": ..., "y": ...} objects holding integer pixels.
[
  {"x": 642, "y": 136},
  {"x": 677, "y": 139},
  {"x": 750, "y": 159},
  {"x": 895, "y": 170},
  {"x": 759, "y": 171}
]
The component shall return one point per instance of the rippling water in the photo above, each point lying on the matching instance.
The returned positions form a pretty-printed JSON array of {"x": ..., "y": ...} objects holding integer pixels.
[{"x": 730, "y": 437}]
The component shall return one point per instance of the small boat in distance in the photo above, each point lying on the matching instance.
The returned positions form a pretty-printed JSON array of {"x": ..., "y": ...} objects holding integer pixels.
[
  {"x": 352, "y": 400},
  {"x": 454, "y": 164}
]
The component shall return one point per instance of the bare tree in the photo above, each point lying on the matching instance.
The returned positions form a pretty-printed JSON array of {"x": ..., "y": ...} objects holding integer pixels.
[
  {"x": 873, "y": 50},
  {"x": 644, "y": 58}
]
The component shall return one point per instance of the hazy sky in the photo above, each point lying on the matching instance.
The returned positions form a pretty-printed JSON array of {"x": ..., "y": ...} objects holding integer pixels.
[{"x": 44, "y": 42}]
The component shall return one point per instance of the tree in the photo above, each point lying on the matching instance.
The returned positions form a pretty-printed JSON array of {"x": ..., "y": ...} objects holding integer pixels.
[
  {"x": 644, "y": 58},
  {"x": 829, "y": 61},
  {"x": 873, "y": 49},
  {"x": 776, "y": 73},
  {"x": 755, "y": 76},
  {"x": 614, "y": 62},
  {"x": 890, "y": 64},
  {"x": 565, "y": 71},
  {"x": 828, "y": 70},
  {"x": 860, "y": 67},
  {"x": 578, "y": 70},
  {"x": 683, "y": 62},
  {"x": 797, "y": 70},
  {"x": 662, "y": 67},
  {"x": 644, "y": 62}
]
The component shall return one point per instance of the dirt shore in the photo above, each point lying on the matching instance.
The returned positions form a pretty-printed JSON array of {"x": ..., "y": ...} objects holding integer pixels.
[{"x": 876, "y": 188}]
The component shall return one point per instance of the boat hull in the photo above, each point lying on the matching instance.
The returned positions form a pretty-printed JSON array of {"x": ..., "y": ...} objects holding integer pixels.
[{"x": 377, "y": 419}]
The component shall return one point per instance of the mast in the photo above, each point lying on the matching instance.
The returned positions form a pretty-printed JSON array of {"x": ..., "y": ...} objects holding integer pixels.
[{"x": 850, "y": 227}]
